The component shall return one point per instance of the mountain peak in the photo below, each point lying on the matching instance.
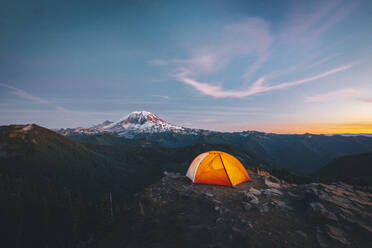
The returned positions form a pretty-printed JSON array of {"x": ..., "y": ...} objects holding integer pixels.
[
  {"x": 141, "y": 117},
  {"x": 142, "y": 112},
  {"x": 135, "y": 123},
  {"x": 141, "y": 122},
  {"x": 138, "y": 118}
]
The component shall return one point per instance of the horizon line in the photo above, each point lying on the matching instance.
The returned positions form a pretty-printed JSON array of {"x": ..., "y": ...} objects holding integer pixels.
[{"x": 220, "y": 131}]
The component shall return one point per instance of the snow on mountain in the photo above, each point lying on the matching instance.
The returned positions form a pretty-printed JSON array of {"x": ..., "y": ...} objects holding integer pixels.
[
  {"x": 135, "y": 123},
  {"x": 103, "y": 125},
  {"x": 141, "y": 121}
]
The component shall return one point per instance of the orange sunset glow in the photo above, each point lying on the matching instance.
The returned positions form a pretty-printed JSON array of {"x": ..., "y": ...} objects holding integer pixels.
[{"x": 320, "y": 128}]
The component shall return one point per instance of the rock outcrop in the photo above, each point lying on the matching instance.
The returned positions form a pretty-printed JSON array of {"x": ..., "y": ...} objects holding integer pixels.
[{"x": 263, "y": 212}]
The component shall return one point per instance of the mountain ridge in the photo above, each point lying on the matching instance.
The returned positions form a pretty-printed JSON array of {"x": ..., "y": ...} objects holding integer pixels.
[
  {"x": 137, "y": 122},
  {"x": 303, "y": 153},
  {"x": 352, "y": 169},
  {"x": 146, "y": 122}
]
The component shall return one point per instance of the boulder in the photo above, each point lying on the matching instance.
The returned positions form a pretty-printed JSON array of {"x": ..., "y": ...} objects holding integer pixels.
[
  {"x": 255, "y": 201},
  {"x": 254, "y": 191},
  {"x": 281, "y": 205},
  {"x": 251, "y": 198},
  {"x": 272, "y": 184},
  {"x": 272, "y": 191},
  {"x": 172, "y": 175}
]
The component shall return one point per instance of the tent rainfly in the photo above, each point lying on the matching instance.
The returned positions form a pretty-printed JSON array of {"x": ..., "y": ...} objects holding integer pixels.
[{"x": 215, "y": 167}]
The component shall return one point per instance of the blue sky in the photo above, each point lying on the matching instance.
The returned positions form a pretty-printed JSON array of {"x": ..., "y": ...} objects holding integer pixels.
[{"x": 280, "y": 66}]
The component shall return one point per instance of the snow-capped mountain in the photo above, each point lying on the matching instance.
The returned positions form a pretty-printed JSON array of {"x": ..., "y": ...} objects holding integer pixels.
[
  {"x": 141, "y": 122},
  {"x": 135, "y": 123}
]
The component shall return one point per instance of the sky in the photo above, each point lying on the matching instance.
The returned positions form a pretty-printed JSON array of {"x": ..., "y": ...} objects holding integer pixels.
[{"x": 274, "y": 66}]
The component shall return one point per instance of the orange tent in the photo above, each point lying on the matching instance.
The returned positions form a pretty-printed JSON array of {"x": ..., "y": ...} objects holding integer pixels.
[{"x": 215, "y": 167}]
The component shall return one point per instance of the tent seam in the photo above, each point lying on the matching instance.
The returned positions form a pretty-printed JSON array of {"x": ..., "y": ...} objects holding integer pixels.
[{"x": 223, "y": 164}]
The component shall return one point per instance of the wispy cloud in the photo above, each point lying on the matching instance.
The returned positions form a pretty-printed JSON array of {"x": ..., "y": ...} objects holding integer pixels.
[
  {"x": 253, "y": 39},
  {"x": 248, "y": 37},
  {"x": 27, "y": 96},
  {"x": 365, "y": 99},
  {"x": 323, "y": 60},
  {"x": 161, "y": 96},
  {"x": 258, "y": 87},
  {"x": 254, "y": 67},
  {"x": 334, "y": 95},
  {"x": 307, "y": 26}
]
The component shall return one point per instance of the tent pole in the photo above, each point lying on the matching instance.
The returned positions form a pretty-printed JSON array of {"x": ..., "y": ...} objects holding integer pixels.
[{"x": 223, "y": 164}]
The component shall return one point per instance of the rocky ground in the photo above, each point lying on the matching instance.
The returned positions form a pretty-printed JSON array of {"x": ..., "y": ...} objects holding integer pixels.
[{"x": 263, "y": 212}]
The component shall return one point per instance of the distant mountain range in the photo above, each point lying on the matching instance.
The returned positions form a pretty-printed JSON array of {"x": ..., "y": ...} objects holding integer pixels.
[
  {"x": 301, "y": 153},
  {"x": 136, "y": 123}
]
